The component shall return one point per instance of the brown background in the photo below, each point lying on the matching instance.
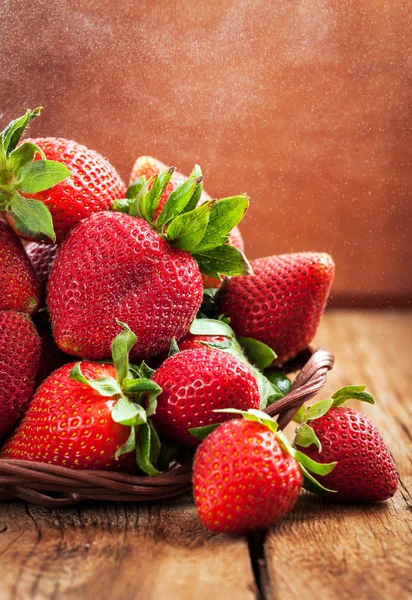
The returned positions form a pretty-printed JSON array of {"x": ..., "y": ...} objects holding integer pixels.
[{"x": 303, "y": 104}]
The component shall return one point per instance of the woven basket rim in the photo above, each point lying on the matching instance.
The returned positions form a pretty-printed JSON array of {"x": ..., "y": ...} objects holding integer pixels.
[{"x": 52, "y": 485}]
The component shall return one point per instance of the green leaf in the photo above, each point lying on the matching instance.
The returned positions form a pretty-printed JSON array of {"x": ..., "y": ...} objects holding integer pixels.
[
  {"x": 138, "y": 386},
  {"x": 134, "y": 189},
  {"x": 312, "y": 485},
  {"x": 32, "y": 218},
  {"x": 351, "y": 392},
  {"x": 174, "y": 348},
  {"x": 280, "y": 382},
  {"x": 257, "y": 352},
  {"x": 312, "y": 465},
  {"x": 252, "y": 415},
  {"x": 218, "y": 345},
  {"x": 13, "y": 132},
  {"x": 129, "y": 445},
  {"x": 106, "y": 386},
  {"x": 146, "y": 371},
  {"x": 319, "y": 409},
  {"x": 155, "y": 445},
  {"x": 197, "y": 194},
  {"x": 225, "y": 215},
  {"x": 211, "y": 327},
  {"x": 144, "y": 450},
  {"x": 177, "y": 201},
  {"x": 155, "y": 193},
  {"x": 223, "y": 260},
  {"x": 187, "y": 230},
  {"x": 128, "y": 413},
  {"x": 42, "y": 175},
  {"x": 305, "y": 437},
  {"x": 23, "y": 155},
  {"x": 121, "y": 346},
  {"x": 300, "y": 415},
  {"x": 122, "y": 205},
  {"x": 200, "y": 433}
]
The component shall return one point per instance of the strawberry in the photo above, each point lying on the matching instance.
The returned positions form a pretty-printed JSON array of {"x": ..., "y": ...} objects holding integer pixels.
[
  {"x": 82, "y": 416},
  {"x": 195, "y": 383},
  {"x": 281, "y": 305},
  {"x": 52, "y": 357},
  {"x": 42, "y": 257},
  {"x": 329, "y": 432},
  {"x": 93, "y": 186},
  {"x": 19, "y": 363},
  {"x": 140, "y": 270},
  {"x": 19, "y": 288},
  {"x": 246, "y": 476},
  {"x": 47, "y": 185},
  {"x": 147, "y": 167}
]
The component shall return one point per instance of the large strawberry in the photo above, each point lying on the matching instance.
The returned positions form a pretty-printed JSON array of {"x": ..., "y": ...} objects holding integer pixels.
[
  {"x": 140, "y": 270},
  {"x": 281, "y": 305},
  {"x": 329, "y": 432},
  {"x": 246, "y": 476},
  {"x": 19, "y": 363},
  {"x": 47, "y": 185},
  {"x": 19, "y": 287},
  {"x": 197, "y": 382},
  {"x": 88, "y": 416},
  {"x": 146, "y": 167}
]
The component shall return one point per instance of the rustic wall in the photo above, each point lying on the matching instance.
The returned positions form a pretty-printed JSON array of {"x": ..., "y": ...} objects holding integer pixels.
[{"x": 304, "y": 104}]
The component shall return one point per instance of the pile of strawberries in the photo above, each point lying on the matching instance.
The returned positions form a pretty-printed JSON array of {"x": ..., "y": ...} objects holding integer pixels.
[{"x": 179, "y": 339}]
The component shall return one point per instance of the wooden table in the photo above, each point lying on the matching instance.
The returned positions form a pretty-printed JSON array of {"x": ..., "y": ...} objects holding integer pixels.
[{"x": 322, "y": 550}]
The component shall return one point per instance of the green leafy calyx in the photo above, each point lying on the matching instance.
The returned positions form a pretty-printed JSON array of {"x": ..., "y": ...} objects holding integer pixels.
[
  {"x": 201, "y": 229},
  {"x": 136, "y": 398},
  {"x": 20, "y": 174}
]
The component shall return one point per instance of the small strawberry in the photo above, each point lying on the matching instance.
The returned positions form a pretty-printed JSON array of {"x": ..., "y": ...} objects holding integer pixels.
[
  {"x": 141, "y": 270},
  {"x": 42, "y": 257},
  {"x": 147, "y": 167},
  {"x": 246, "y": 476},
  {"x": 24, "y": 173},
  {"x": 195, "y": 383},
  {"x": 47, "y": 185},
  {"x": 281, "y": 305},
  {"x": 19, "y": 363},
  {"x": 329, "y": 432},
  {"x": 19, "y": 287},
  {"x": 87, "y": 416}
]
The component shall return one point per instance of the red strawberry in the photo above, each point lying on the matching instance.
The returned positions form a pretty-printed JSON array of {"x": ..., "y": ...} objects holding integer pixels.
[
  {"x": 93, "y": 186},
  {"x": 81, "y": 417},
  {"x": 19, "y": 363},
  {"x": 244, "y": 478},
  {"x": 197, "y": 382},
  {"x": 47, "y": 185},
  {"x": 147, "y": 166},
  {"x": 42, "y": 257},
  {"x": 69, "y": 424},
  {"x": 118, "y": 266},
  {"x": 365, "y": 470},
  {"x": 19, "y": 288},
  {"x": 282, "y": 303}
]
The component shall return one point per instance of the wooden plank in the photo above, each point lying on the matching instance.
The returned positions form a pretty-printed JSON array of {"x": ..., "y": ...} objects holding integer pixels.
[
  {"x": 327, "y": 550},
  {"x": 118, "y": 551}
]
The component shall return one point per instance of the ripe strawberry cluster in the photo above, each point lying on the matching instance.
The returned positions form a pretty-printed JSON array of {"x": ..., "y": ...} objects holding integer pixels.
[{"x": 181, "y": 340}]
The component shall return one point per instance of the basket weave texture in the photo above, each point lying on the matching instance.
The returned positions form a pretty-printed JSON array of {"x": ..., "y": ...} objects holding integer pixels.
[{"x": 54, "y": 486}]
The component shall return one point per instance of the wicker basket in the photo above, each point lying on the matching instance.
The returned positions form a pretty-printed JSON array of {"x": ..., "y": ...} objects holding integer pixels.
[{"x": 53, "y": 486}]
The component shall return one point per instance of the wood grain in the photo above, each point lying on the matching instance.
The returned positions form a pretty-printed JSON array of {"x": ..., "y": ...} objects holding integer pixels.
[
  {"x": 118, "y": 551},
  {"x": 335, "y": 551}
]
